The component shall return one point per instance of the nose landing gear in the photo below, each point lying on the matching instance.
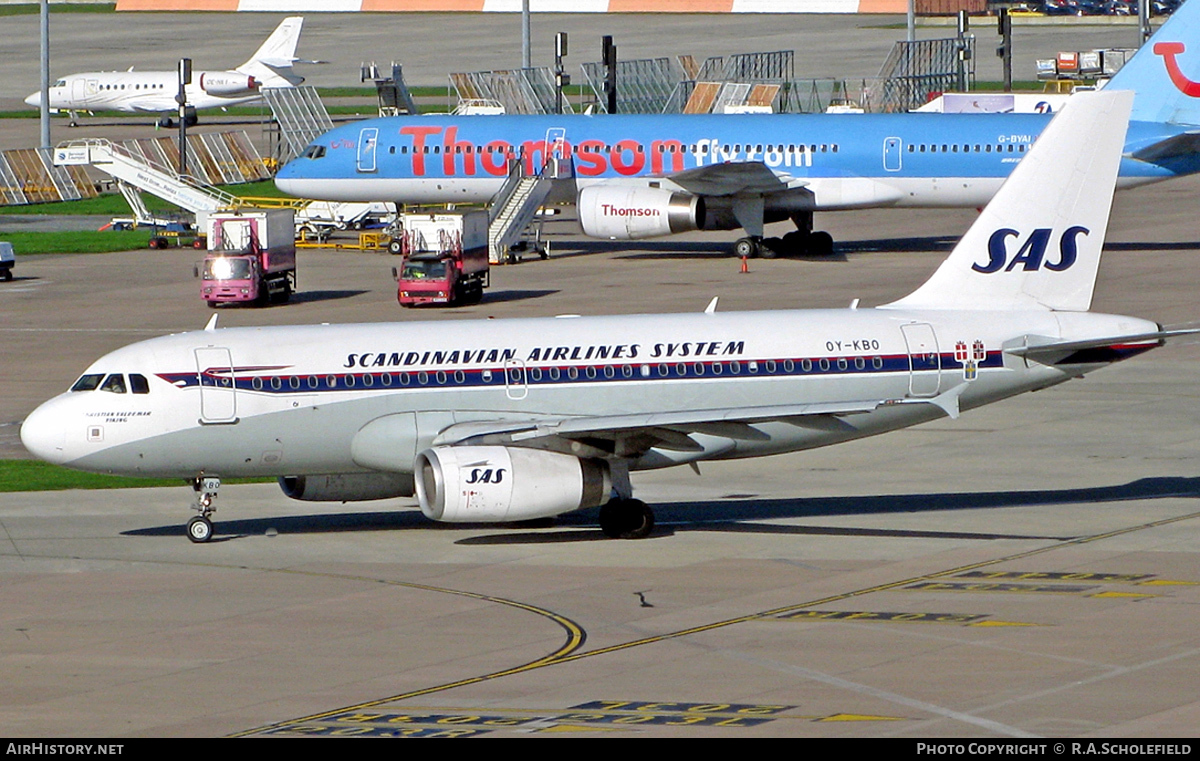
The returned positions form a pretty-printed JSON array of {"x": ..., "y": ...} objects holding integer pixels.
[{"x": 200, "y": 528}]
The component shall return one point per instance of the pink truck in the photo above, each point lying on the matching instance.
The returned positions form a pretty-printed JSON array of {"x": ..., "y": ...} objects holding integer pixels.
[
  {"x": 445, "y": 258},
  {"x": 251, "y": 257}
]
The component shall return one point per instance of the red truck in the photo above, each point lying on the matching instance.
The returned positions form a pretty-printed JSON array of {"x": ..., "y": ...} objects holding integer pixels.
[
  {"x": 445, "y": 258},
  {"x": 251, "y": 257}
]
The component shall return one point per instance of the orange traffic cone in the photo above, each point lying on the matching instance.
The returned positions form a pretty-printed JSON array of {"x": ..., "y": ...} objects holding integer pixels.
[{"x": 745, "y": 265}]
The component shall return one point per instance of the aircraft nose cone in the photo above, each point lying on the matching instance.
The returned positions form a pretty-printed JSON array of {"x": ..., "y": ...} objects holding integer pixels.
[
  {"x": 44, "y": 435},
  {"x": 34, "y": 100},
  {"x": 285, "y": 178}
]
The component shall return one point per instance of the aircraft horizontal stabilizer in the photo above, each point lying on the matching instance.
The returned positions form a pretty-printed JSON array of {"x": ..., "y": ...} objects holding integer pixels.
[
  {"x": 1186, "y": 145},
  {"x": 279, "y": 63},
  {"x": 1094, "y": 349}
]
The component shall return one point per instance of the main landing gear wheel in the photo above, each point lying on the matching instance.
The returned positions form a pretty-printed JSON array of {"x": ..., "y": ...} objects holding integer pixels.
[
  {"x": 745, "y": 248},
  {"x": 626, "y": 519},
  {"x": 820, "y": 243},
  {"x": 799, "y": 243},
  {"x": 199, "y": 529}
]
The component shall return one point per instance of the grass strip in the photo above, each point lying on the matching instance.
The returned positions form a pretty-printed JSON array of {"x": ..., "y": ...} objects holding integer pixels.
[
  {"x": 34, "y": 475},
  {"x": 76, "y": 242}
]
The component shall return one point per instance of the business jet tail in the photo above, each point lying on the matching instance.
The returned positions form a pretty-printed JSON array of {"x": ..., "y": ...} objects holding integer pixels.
[
  {"x": 271, "y": 64},
  {"x": 1037, "y": 243}
]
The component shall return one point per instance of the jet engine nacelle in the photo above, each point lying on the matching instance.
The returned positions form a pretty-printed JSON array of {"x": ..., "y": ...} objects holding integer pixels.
[
  {"x": 347, "y": 487},
  {"x": 489, "y": 484},
  {"x": 227, "y": 83},
  {"x": 630, "y": 212}
]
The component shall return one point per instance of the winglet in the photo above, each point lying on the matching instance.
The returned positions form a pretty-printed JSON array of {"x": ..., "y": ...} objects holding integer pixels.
[
  {"x": 948, "y": 400},
  {"x": 212, "y": 324},
  {"x": 712, "y": 306}
]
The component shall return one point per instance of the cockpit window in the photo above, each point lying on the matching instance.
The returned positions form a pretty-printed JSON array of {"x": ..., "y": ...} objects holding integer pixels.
[
  {"x": 313, "y": 151},
  {"x": 88, "y": 382},
  {"x": 114, "y": 383}
]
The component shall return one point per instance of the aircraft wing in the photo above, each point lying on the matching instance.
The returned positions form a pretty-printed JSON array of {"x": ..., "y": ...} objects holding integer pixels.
[
  {"x": 755, "y": 179},
  {"x": 732, "y": 178},
  {"x": 633, "y": 434}
]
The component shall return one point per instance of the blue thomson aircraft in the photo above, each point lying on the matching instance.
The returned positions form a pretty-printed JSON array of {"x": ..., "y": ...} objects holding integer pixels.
[{"x": 643, "y": 176}]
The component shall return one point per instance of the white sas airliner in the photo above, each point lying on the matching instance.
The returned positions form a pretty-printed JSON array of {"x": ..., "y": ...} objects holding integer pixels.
[
  {"x": 154, "y": 91},
  {"x": 510, "y": 420}
]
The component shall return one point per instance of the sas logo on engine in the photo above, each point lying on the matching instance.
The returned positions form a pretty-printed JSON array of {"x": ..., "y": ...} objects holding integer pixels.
[
  {"x": 486, "y": 475},
  {"x": 1031, "y": 255}
]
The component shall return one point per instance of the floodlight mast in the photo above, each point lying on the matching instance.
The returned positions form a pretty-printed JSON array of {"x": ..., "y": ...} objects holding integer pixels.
[{"x": 44, "y": 30}]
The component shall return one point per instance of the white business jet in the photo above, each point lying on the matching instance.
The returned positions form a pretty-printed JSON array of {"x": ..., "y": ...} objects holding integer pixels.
[
  {"x": 155, "y": 91},
  {"x": 510, "y": 420}
]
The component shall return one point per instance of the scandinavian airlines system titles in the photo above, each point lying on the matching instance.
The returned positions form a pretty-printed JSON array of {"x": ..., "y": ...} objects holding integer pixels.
[{"x": 577, "y": 353}]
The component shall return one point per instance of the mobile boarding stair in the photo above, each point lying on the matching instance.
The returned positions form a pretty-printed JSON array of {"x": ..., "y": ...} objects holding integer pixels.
[
  {"x": 135, "y": 172},
  {"x": 513, "y": 209}
]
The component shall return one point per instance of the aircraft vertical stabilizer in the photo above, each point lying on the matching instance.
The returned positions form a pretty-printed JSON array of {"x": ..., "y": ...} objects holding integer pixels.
[
  {"x": 1159, "y": 73},
  {"x": 274, "y": 58},
  {"x": 1037, "y": 244}
]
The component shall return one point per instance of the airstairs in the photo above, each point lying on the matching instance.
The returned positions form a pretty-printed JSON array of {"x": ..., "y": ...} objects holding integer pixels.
[
  {"x": 301, "y": 118},
  {"x": 394, "y": 96},
  {"x": 514, "y": 207},
  {"x": 138, "y": 172}
]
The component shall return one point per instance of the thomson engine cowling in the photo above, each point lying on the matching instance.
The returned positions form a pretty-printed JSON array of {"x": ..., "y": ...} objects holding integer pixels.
[
  {"x": 489, "y": 484},
  {"x": 227, "y": 84},
  {"x": 631, "y": 212},
  {"x": 347, "y": 487}
]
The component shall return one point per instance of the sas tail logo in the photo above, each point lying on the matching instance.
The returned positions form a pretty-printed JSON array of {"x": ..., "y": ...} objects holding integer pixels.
[
  {"x": 1032, "y": 253},
  {"x": 1168, "y": 51}
]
